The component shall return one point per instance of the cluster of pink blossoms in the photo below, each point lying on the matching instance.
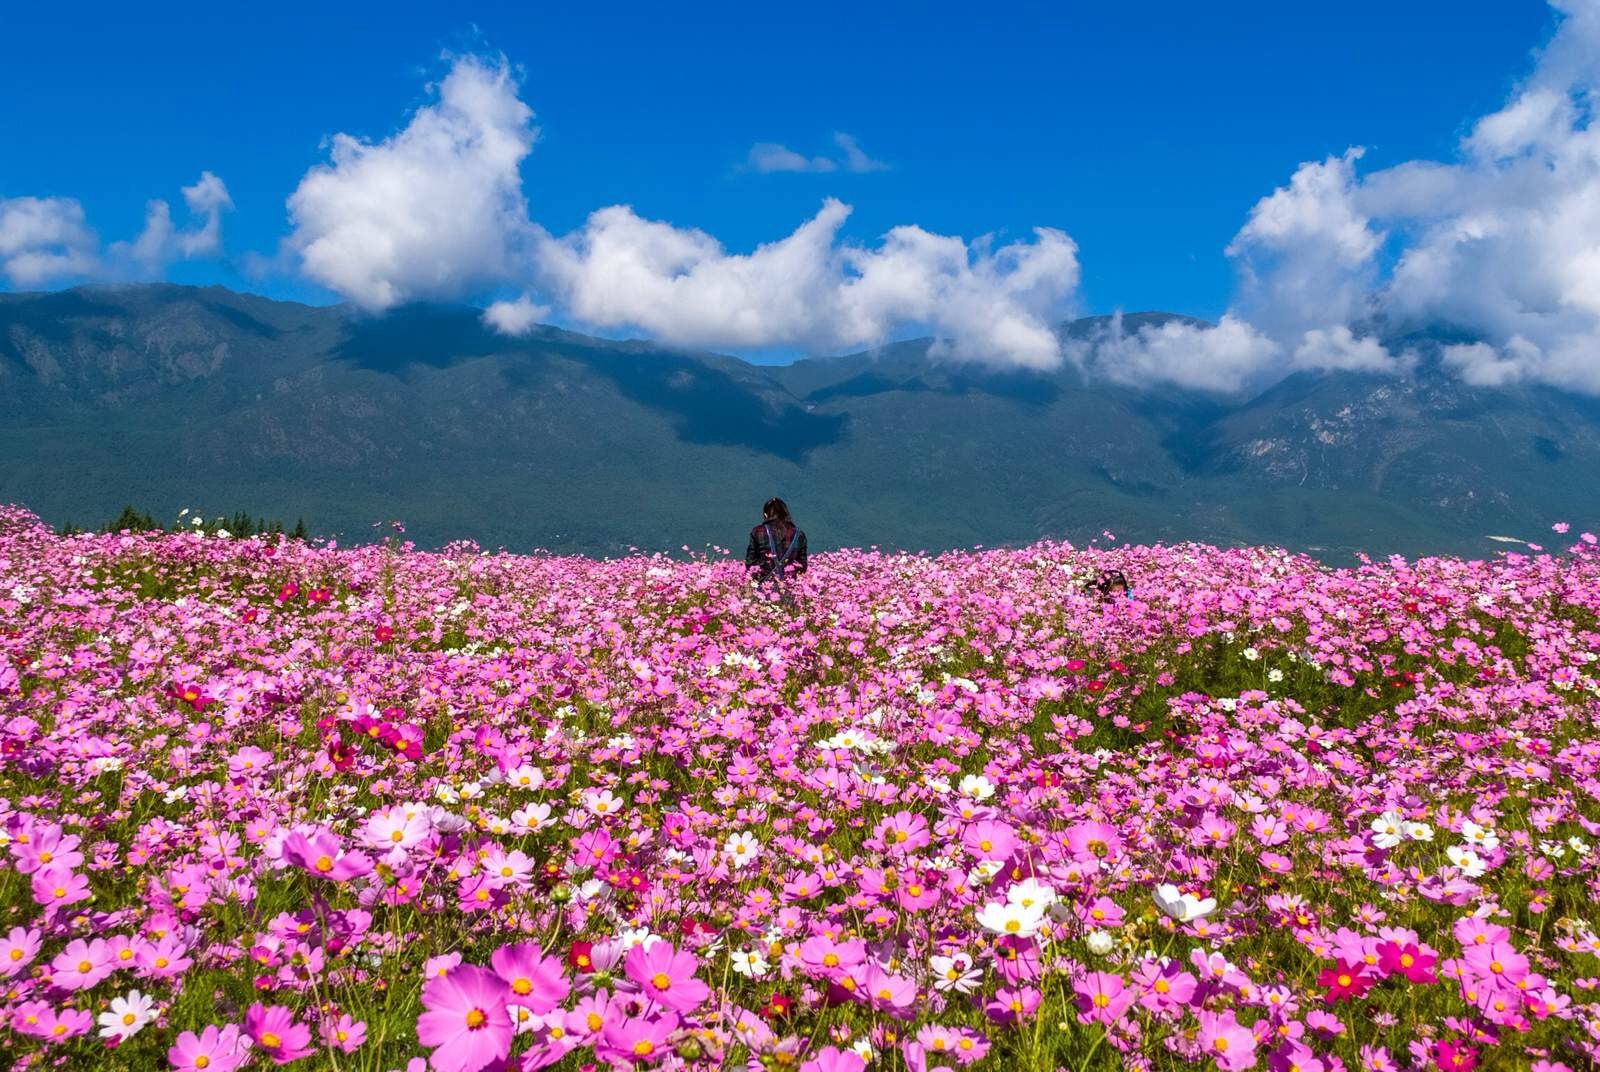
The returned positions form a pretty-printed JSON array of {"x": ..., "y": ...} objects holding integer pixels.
[{"x": 271, "y": 803}]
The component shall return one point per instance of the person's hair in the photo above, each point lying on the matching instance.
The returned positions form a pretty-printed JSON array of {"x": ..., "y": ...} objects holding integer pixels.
[
  {"x": 775, "y": 509},
  {"x": 1109, "y": 580}
]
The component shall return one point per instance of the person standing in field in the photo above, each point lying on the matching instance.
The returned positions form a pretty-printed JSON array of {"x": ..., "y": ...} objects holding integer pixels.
[{"x": 777, "y": 547}]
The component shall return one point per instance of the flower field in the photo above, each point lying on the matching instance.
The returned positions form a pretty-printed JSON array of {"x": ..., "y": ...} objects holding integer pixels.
[{"x": 271, "y": 803}]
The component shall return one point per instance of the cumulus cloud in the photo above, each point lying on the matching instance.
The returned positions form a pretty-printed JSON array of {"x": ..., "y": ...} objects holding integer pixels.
[
  {"x": 812, "y": 290},
  {"x": 44, "y": 239},
  {"x": 1223, "y": 357},
  {"x": 516, "y": 317},
  {"x": 48, "y": 239},
  {"x": 766, "y": 156},
  {"x": 162, "y": 242},
  {"x": 1502, "y": 242},
  {"x": 434, "y": 210}
]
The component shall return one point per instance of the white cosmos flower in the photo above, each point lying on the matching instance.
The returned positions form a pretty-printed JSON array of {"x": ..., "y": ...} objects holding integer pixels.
[
  {"x": 1467, "y": 860},
  {"x": 1252, "y": 654},
  {"x": 127, "y": 1016},
  {"x": 1016, "y": 920},
  {"x": 955, "y": 973},
  {"x": 526, "y": 777},
  {"x": 1100, "y": 942},
  {"x": 749, "y": 964},
  {"x": 1419, "y": 831},
  {"x": 977, "y": 787},
  {"x": 602, "y": 802},
  {"x": 1181, "y": 906},
  {"x": 1388, "y": 830},
  {"x": 1480, "y": 837},
  {"x": 741, "y": 848},
  {"x": 1030, "y": 892},
  {"x": 523, "y": 1019}
]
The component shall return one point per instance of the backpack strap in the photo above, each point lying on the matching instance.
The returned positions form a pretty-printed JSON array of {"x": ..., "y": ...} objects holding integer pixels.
[{"x": 780, "y": 560}]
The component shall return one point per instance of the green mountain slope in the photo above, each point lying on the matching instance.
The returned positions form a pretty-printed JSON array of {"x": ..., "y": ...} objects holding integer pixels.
[{"x": 170, "y": 396}]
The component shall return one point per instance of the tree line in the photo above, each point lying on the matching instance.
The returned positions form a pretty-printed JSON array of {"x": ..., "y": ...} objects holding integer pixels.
[{"x": 241, "y": 524}]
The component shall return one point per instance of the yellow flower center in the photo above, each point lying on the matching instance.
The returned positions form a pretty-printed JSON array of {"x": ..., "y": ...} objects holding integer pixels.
[
  {"x": 475, "y": 1018},
  {"x": 643, "y": 1048},
  {"x": 324, "y": 864},
  {"x": 270, "y": 1041},
  {"x": 660, "y": 980}
]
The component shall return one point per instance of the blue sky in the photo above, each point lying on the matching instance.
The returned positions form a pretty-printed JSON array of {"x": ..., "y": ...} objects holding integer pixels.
[
  {"x": 1295, "y": 173},
  {"x": 1145, "y": 131}
]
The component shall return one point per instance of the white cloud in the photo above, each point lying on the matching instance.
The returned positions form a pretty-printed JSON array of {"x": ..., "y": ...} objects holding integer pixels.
[
  {"x": 1502, "y": 242},
  {"x": 1339, "y": 348},
  {"x": 48, "y": 239},
  {"x": 160, "y": 242},
  {"x": 516, "y": 317},
  {"x": 1306, "y": 254},
  {"x": 813, "y": 291},
  {"x": 44, "y": 239},
  {"x": 1226, "y": 357},
  {"x": 767, "y": 157},
  {"x": 854, "y": 158},
  {"x": 433, "y": 211}
]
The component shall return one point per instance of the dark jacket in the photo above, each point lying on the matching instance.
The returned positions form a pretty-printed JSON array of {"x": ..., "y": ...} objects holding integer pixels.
[{"x": 761, "y": 556}]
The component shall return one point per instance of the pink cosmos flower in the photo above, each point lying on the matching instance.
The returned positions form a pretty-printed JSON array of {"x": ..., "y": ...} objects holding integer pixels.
[
  {"x": 666, "y": 976},
  {"x": 276, "y": 1034},
  {"x": 589, "y": 1015},
  {"x": 17, "y": 950},
  {"x": 464, "y": 1020},
  {"x": 344, "y": 1034},
  {"x": 900, "y": 834},
  {"x": 1227, "y": 1041},
  {"x": 322, "y": 854},
  {"x": 637, "y": 1040},
  {"x": 1497, "y": 963},
  {"x": 55, "y": 1026},
  {"x": 1453, "y": 1055},
  {"x": 81, "y": 964},
  {"x": 536, "y": 981},
  {"x": 163, "y": 959},
  {"x": 46, "y": 845},
  {"x": 213, "y": 1050},
  {"x": 989, "y": 839},
  {"x": 58, "y": 886},
  {"x": 833, "y": 1059},
  {"x": 1088, "y": 841},
  {"x": 1407, "y": 960},
  {"x": 1102, "y": 997}
]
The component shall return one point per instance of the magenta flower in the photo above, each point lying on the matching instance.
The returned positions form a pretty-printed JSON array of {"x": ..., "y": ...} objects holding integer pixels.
[
  {"x": 276, "y": 1034},
  {"x": 1102, "y": 997},
  {"x": 81, "y": 964},
  {"x": 833, "y": 1059},
  {"x": 17, "y": 950},
  {"x": 213, "y": 1050},
  {"x": 537, "y": 983},
  {"x": 1226, "y": 1041},
  {"x": 990, "y": 839},
  {"x": 344, "y": 1034},
  {"x": 58, "y": 886},
  {"x": 464, "y": 1020},
  {"x": 666, "y": 976},
  {"x": 321, "y": 854},
  {"x": 1407, "y": 960},
  {"x": 638, "y": 1039}
]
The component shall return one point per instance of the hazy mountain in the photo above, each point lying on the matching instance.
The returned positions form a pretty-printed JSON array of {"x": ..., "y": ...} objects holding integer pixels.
[{"x": 168, "y": 396}]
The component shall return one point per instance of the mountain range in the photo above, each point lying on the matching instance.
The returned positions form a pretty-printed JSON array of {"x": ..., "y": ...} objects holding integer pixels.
[{"x": 165, "y": 396}]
